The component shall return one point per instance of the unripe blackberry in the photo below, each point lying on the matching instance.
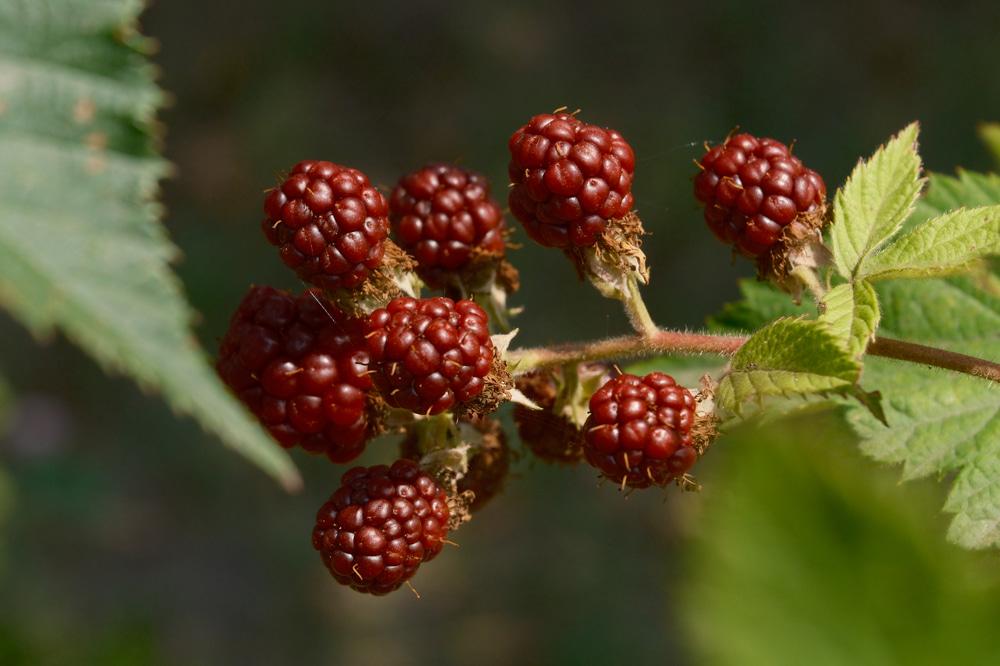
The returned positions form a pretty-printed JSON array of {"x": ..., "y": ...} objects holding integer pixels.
[
  {"x": 329, "y": 223},
  {"x": 380, "y": 526},
  {"x": 550, "y": 436},
  {"x": 429, "y": 354},
  {"x": 569, "y": 178},
  {"x": 639, "y": 430},
  {"x": 443, "y": 215},
  {"x": 487, "y": 467},
  {"x": 753, "y": 189},
  {"x": 302, "y": 369}
]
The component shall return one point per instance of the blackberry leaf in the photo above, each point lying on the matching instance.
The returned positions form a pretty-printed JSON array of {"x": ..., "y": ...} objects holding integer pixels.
[
  {"x": 875, "y": 201},
  {"x": 945, "y": 244},
  {"x": 81, "y": 247},
  {"x": 944, "y": 424},
  {"x": 828, "y": 548},
  {"x": 851, "y": 311},
  {"x": 760, "y": 304},
  {"x": 788, "y": 358}
]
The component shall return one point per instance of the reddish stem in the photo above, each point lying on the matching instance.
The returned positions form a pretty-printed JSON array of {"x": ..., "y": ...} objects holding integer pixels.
[{"x": 679, "y": 342}]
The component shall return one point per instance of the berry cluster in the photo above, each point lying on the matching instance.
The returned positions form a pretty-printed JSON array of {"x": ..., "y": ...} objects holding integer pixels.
[
  {"x": 753, "y": 189},
  {"x": 362, "y": 352},
  {"x": 569, "y": 179}
]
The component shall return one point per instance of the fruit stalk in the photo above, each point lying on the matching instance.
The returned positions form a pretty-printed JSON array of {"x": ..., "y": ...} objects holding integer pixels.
[{"x": 635, "y": 308}]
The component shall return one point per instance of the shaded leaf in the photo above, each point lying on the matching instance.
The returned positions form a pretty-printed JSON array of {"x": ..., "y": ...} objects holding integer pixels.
[
  {"x": 761, "y": 303},
  {"x": 81, "y": 248},
  {"x": 803, "y": 554},
  {"x": 944, "y": 423}
]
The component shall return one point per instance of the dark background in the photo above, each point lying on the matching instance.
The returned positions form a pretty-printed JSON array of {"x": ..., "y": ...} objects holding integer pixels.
[{"x": 132, "y": 537}]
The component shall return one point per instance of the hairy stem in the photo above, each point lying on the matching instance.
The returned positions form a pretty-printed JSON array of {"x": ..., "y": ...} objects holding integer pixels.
[
  {"x": 629, "y": 346},
  {"x": 681, "y": 342},
  {"x": 636, "y": 310}
]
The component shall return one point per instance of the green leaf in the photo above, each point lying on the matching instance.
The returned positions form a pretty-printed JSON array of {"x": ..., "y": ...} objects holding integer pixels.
[
  {"x": 6, "y": 504},
  {"x": 851, "y": 311},
  {"x": 942, "y": 423},
  {"x": 760, "y": 304},
  {"x": 81, "y": 248},
  {"x": 875, "y": 200},
  {"x": 789, "y": 357},
  {"x": 945, "y": 244},
  {"x": 804, "y": 554},
  {"x": 990, "y": 134},
  {"x": 945, "y": 193}
]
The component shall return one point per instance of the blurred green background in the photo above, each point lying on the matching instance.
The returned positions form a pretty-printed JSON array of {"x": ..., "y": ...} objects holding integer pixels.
[{"x": 129, "y": 537}]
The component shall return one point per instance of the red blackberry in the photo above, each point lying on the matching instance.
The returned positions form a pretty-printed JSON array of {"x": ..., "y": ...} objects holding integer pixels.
[
  {"x": 442, "y": 214},
  {"x": 752, "y": 189},
  {"x": 429, "y": 354},
  {"x": 569, "y": 179},
  {"x": 302, "y": 369},
  {"x": 380, "y": 525},
  {"x": 639, "y": 430},
  {"x": 329, "y": 223}
]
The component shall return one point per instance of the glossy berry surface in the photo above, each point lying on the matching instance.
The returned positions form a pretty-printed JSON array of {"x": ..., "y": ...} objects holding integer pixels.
[
  {"x": 752, "y": 189},
  {"x": 329, "y": 224},
  {"x": 380, "y": 525},
  {"x": 639, "y": 430},
  {"x": 440, "y": 213},
  {"x": 302, "y": 369},
  {"x": 569, "y": 178},
  {"x": 429, "y": 354}
]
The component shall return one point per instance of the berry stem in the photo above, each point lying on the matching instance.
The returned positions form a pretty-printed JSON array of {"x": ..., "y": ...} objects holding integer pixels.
[
  {"x": 635, "y": 308},
  {"x": 681, "y": 342},
  {"x": 630, "y": 346}
]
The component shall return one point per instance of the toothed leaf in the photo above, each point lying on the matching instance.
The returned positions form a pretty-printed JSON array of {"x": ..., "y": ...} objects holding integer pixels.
[
  {"x": 944, "y": 424},
  {"x": 789, "y": 357},
  {"x": 81, "y": 247},
  {"x": 945, "y": 244},
  {"x": 852, "y": 314},
  {"x": 875, "y": 201}
]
